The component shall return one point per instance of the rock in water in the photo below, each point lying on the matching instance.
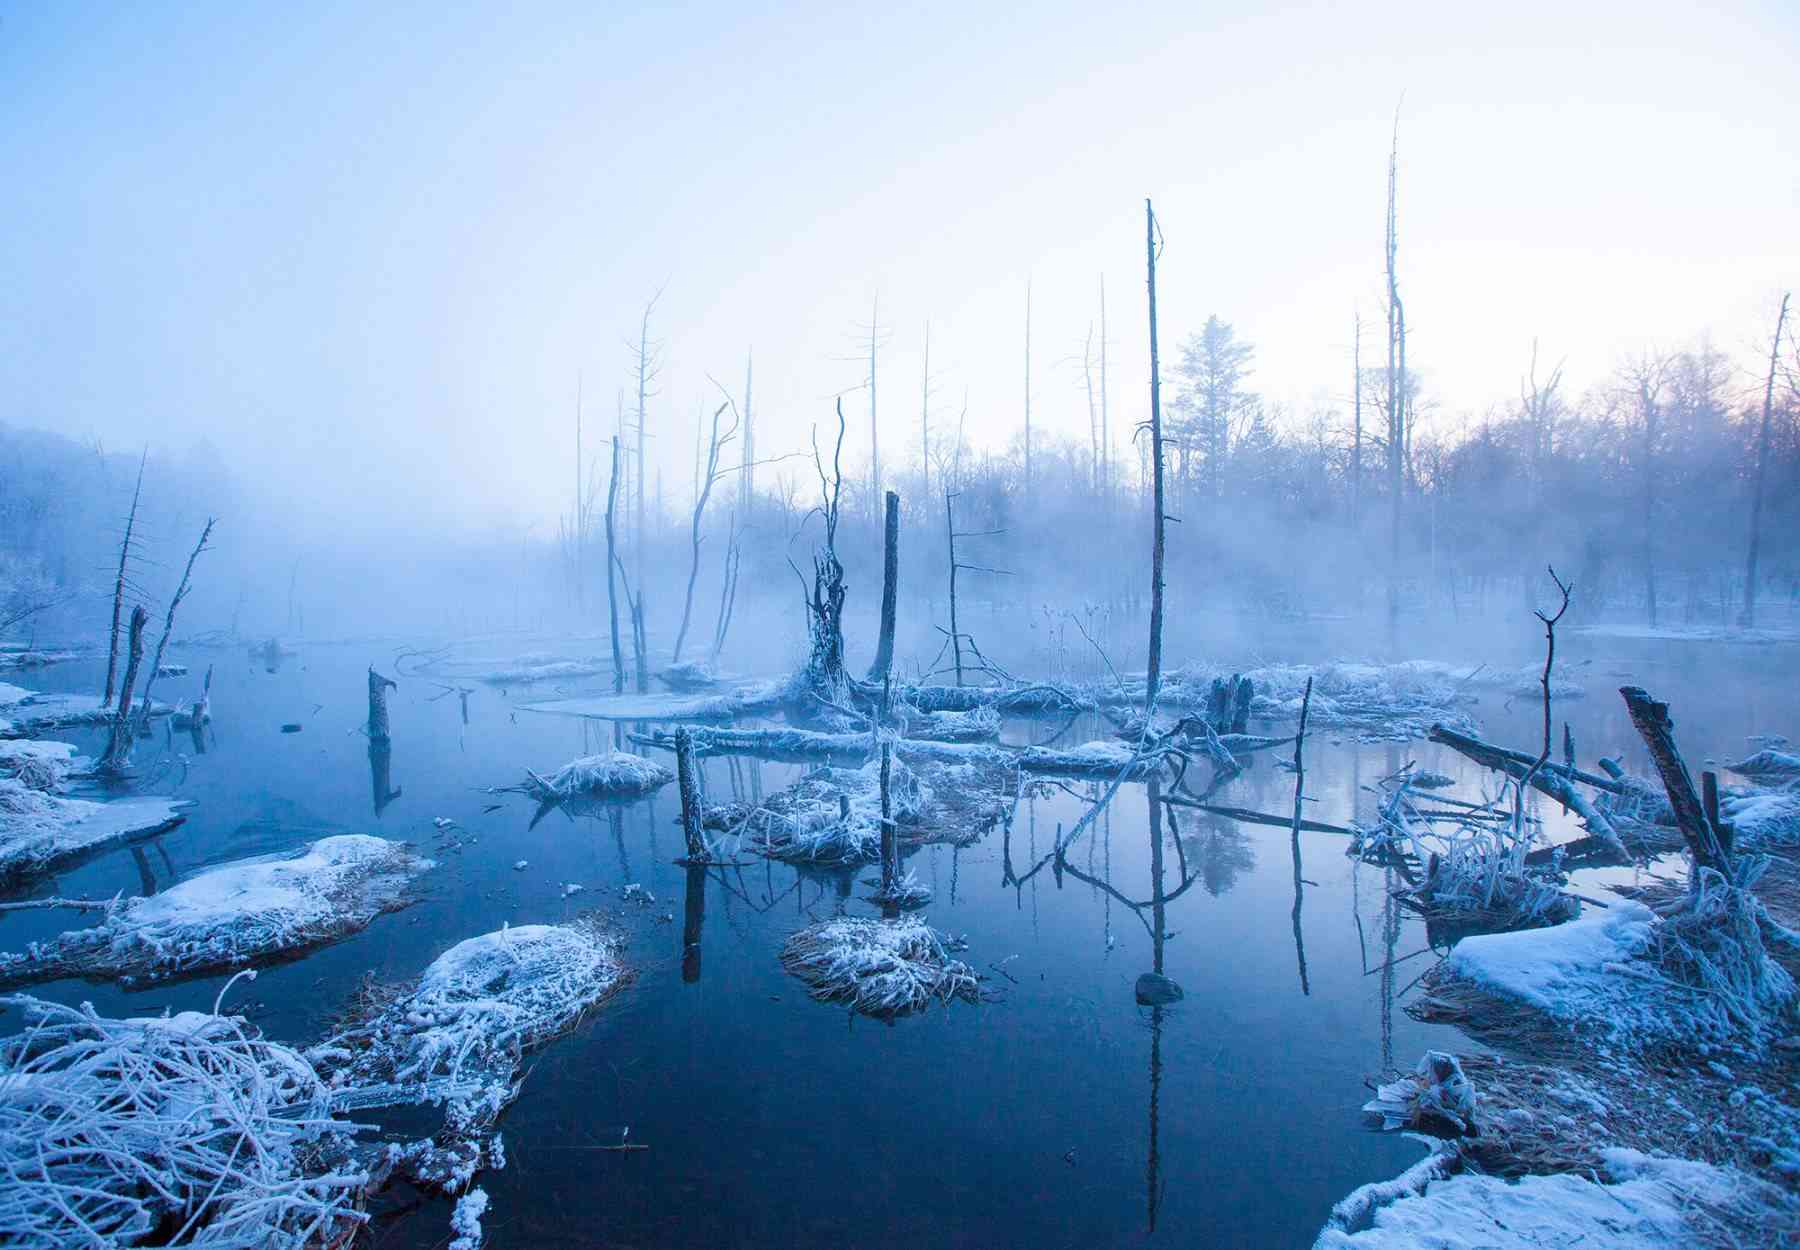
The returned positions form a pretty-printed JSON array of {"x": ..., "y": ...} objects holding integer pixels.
[{"x": 1156, "y": 990}]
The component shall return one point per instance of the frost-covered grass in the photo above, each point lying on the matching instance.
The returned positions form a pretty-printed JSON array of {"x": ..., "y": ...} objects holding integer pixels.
[
  {"x": 879, "y": 967},
  {"x": 39, "y": 765},
  {"x": 980, "y": 724},
  {"x": 1375, "y": 702},
  {"x": 1764, "y": 819},
  {"x": 191, "y": 1128},
  {"x": 460, "y": 1034},
  {"x": 231, "y": 915},
  {"x": 830, "y": 816},
  {"x": 611, "y": 774},
  {"x": 906, "y": 892},
  {"x": 1628, "y": 977},
  {"x": 41, "y": 831}
]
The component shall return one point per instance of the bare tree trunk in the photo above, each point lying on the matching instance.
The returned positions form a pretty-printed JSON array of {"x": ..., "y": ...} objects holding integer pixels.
[
  {"x": 1105, "y": 432},
  {"x": 955, "y": 636},
  {"x": 1748, "y": 620},
  {"x": 734, "y": 559},
  {"x": 646, "y": 373},
  {"x": 690, "y": 797},
  {"x": 1356, "y": 437},
  {"x": 118, "y": 746},
  {"x": 890, "y": 590},
  {"x": 612, "y": 556},
  {"x": 1153, "y": 675},
  {"x": 925, "y": 418},
  {"x": 181, "y": 592},
  {"x": 1653, "y": 724},
  {"x": 747, "y": 469},
  {"x": 709, "y": 477},
  {"x": 1028, "y": 389},
  {"x": 1396, "y": 389},
  {"x": 874, "y": 429},
  {"x": 378, "y": 706},
  {"x": 1087, "y": 377},
  {"x": 1651, "y": 422},
  {"x": 112, "y": 653}
]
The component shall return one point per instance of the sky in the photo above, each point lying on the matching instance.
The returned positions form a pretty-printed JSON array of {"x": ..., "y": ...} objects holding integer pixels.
[{"x": 368, "y": 255}]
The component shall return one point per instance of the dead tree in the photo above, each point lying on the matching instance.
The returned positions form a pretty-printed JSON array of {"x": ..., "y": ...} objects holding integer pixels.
[
  {"x": 1396, "y": 384},
  {"x": 890, "y": 590},
  {"x": 925, "y": 417},
  {"x": 1356, "y": 435},
  {"x": 1748, "y": 620},
  {"x": 708, "y": 477},
  {"x": 747, "y": 462},
  {"x": 875, "y": 341},
  {"x": 117, "y": 760},
  {"x": 1549, "y": 662},
  {"x": 612, "y": 558},
  {"x": 1028, "y": 390},
  {"x": 824, "y": 675},
  {"x": 634, "y": 606},
  {"x": 119, "y": 583},
  {"x": 378, "y": 706},
  {"x": 690, "y": 796},
  {"x": 1105, "y": 429},
  {"x": 734, "y": 558},
  {"x": 1153, "y": 671},
  {"x": 647, "y": 366},
  {"x": 956, "y": 635},
  {"x": 181, "y": 592},
  {"x": 1652, "y": 721}
]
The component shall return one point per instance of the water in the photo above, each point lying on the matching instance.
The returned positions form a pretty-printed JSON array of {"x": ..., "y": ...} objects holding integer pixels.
[{"x": 1060, "y": 1115}]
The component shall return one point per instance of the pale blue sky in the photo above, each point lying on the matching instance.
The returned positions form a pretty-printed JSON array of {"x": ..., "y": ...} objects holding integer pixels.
[{"x": 355, "y": 245}]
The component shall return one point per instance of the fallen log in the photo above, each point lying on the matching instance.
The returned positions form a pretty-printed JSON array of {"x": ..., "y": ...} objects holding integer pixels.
[
  {"x": 1654, "y": 725},
  {"x": 1552, "y": 780},
  {"x": 1249, "y": 817}
]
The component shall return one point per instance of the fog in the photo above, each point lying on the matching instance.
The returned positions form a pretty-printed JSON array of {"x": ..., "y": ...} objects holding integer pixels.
[{"x": 1173, "y": 445}]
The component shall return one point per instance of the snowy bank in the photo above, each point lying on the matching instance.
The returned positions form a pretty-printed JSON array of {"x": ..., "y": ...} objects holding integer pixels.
[
  {"x": 881, "y": 968},
  {"x": 40, "y": 831},
  {"x": 232, "y": 915},
  {"x": 1639, "y": 1202}
]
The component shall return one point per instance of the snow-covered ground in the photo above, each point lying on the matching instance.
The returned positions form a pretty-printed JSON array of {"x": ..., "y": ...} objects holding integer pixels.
[
  {"x": 232, "y": 915},
  {"x": 40, "y": 831}
]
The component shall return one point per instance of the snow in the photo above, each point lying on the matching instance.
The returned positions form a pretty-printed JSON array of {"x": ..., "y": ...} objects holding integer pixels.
[
  {"x": 657, "y": 707},
  {"x": 38, "y": 764},
  {"x": 40, "y": 831},
  {"x": 30, "y": 714},
  {"x": 232, "y": 914},
  {"x": 1639, "y": 1205},
  {"x": 1560, "y": 970},
  {"x": 1769, "y": 766},
  {"x": 537, "y": 669},
  {"x": 607, "y": 775},
  {"x": 1769, "y": 818},
  {"x": 465, "y": 1220}
]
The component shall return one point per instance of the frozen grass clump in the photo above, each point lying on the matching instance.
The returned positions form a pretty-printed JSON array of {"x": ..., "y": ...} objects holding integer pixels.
[
  {"x": 232, "y": 915},
  {"x": 829, "y": 816},
  {"x": 41, "y": 831},
  {"x": 186, "y": 1130},
  {"x": 611, "y": 774},
  {"x": 1764, "y": 819},
  {"x": 881, "y": 968},
  {"x": 39, "y": 765},
  {"x": 1627, "y": 976},
  {"x": 460, "y": 1035},
  {"x": 1436, "y": 1092}
]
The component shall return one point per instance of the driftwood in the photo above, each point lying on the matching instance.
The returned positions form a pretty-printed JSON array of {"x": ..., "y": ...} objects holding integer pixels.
[
  {"x": 1653, "y": 724},
  {"x": 1552, "y": 780}
]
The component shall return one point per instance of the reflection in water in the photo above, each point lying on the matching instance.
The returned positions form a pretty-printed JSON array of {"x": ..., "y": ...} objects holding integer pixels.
[
  {"x": 1299, "y": 798},
  {"x": 693, "y": 919},
  {"x": 1158, "y": 934},
  {"x": 381, "y": 755},
  {"x": 146, "y": 878}
]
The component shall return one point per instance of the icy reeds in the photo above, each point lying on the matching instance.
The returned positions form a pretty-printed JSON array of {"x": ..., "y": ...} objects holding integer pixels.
[
  {"x": 190, "y": 1128},
  {"x": 879, "y": 967},
  {"x": 233, "y": 914}
]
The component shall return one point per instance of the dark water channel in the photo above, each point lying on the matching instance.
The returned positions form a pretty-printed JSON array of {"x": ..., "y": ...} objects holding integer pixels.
[{"x": 1060, "y": 1115}]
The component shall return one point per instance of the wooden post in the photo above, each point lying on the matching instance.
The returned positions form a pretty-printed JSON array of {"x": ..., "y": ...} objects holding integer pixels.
[
  {"x": 1153, "y": 674},
  {"x": 118, "y": 747},
  {"x": 690, "y": 798},
  {"x": 890, "y": 589},
  {"x": 378, "y": 705},
  {"x": 1654, "y": 725}
]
